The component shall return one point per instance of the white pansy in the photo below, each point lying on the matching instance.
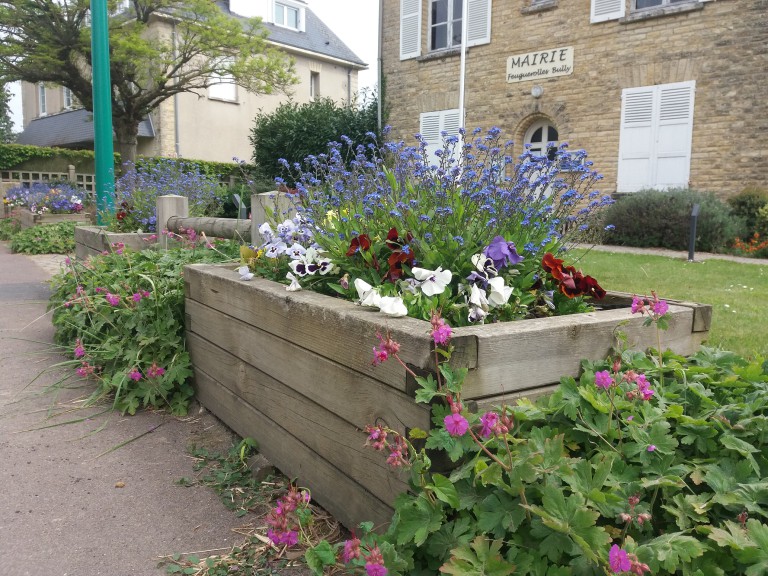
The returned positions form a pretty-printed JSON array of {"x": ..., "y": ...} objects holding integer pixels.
[
  {"x": 368, "y": 296},
  {"x": 275, "y": 249},
  {"x": 294, "y": 285},
  {"x": 432, "y": 281},
  {"x": 296, "y": 251},
  {"x": 392, "y": 306},
  {"x": 299, "y": 266},
  {"x": 499, "y": 292},
  {"x": 477, "y": 297},
  {"x": 266, "y": 232},
  {"x": 245, "y": 273}
]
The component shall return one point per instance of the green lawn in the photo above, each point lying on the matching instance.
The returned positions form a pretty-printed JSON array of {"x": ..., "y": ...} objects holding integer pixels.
[{"x": 737, "y": 292}]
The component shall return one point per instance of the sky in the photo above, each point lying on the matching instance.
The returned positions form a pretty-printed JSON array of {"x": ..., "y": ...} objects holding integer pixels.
[{"x": 354, "y": 21}]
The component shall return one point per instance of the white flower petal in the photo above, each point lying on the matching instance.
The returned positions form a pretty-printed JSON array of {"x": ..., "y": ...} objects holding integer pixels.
[
  {"x": 500, "y": 293},
  {"x": 392, "y": 306},
  {"x": 245, "y": 273},
  {"x": 294, "y": 285},
  {"x": 362, "y": 287}
]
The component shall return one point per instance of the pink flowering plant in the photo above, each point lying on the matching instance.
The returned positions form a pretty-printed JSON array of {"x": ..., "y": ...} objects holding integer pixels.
[
  {"x": 616, "y": 472},
  {"x": 121, "y": 318},
  {"x": 464, "y": 230}
]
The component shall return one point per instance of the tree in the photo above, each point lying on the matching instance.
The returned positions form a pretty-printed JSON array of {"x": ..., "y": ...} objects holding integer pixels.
[
  {"x": 6, "y": 123},
  {"x": 158, "y": 48}
]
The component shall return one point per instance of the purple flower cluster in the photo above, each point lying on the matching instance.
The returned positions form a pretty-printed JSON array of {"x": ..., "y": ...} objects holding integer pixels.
[
  {"x": 282, "y": 520},
  {"x": 43, "y": 197}
]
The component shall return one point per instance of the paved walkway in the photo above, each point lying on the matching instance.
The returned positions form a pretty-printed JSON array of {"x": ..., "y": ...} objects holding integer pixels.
[{"x": 63, "y": 511}]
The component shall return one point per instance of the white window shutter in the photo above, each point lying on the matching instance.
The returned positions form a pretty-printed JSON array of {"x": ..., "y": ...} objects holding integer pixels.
[
  {"x": 603, "y": 10},
  {"x": 410, "y": 29},
  {"x": 674, "y": 135},
  {"x": 636, "y": 140},
  {"x": 656, "y": 135},
  {"x": 430, "y": 127},
  {"x": 478, "y": 22}
]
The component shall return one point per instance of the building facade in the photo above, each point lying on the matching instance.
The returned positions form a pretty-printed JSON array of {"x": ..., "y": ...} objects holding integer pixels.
[
  {"x": 214, "y": 124},
  {"x": 659, "y": 92}
]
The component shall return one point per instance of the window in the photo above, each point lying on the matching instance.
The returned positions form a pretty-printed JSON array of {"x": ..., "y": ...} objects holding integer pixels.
[
  {"x": 314, "y": 85},
  {"x": 67, "y": 98},
  {"x": 223, "y": 87},
  {"x": 432, "y": 125},
  {"x": 655, "y": 138},
  {"x": 42, "y": 106},
  {"x": 444, "y": 25},
  {"x": 287, "y": 16},
  {"x": 543, "y": 139},
  {"x": 643, "y": 4}
]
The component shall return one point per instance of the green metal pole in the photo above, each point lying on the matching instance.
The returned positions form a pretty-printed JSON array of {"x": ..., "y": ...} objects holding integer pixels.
[{"x": 102, "y": 111}]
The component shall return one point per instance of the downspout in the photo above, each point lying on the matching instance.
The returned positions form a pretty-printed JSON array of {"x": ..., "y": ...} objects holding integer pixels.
[
  {"x": 379, "y": 65},
  {"x": 176, "y": 145}
]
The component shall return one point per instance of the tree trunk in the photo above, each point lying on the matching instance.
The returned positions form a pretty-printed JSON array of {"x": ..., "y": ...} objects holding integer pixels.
[{"x": 126, "y": 140}]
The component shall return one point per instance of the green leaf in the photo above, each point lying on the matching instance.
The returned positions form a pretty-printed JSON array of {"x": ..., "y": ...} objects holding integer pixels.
[
  {"x": 444, "y": 490},
  {"x": 671, "y": 551},
  {"x": 746, "y": 450},
  {"x": 416, "y": 519},
  {"x": 320, "y": 556},
  {"x": 499, "y": 513},
  {"x": 427, "y": 389},
  {"x": 481, "y": 558}
]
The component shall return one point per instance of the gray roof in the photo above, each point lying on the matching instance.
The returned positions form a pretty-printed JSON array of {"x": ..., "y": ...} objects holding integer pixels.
[
  {"x": 70, "y": 129},
  {"x": 317, "y": 38}
]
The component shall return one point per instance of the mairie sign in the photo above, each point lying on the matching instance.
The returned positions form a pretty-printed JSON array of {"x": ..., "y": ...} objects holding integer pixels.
[{"x": 540, "y": 65}]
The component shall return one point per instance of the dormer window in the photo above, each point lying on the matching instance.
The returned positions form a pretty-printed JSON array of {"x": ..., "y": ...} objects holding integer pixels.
[
  {"x": 42, "y": 105},
  {"x": 288, "y": 15},
  {"x": 67, "y": 98}
]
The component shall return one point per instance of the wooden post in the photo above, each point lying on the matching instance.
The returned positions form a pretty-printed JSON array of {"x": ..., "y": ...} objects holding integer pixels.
[
  {"x": 71, "y": 173},
  {"x": 269, "y": 207},
  {"x": 167, "y": 206}
]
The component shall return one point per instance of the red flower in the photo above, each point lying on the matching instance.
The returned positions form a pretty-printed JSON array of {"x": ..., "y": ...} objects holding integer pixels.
[
  {"x": 402, "y": 253},
  {"x": 571, "y": 282},
  {"x": 360, "y": 243}
]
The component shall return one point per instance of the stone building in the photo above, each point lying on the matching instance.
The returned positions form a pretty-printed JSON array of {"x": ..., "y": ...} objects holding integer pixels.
[
  {"x": 184, "y": 125},
  {"x": 661, "y": 93}
]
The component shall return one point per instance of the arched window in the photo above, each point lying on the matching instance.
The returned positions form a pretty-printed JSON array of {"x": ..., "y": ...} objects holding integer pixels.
[{"x": 543, "y": 139}]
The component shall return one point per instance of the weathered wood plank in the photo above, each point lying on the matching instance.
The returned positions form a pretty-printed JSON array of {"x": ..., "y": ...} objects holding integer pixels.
[
  {"x": 348, "y": 501},
  {"x": 338, "y": 441},
  {"x": 482, "y": 405},
  {"x": 524, "y": 355},
  {"x": 702, "y": 313},
  {"x": 355, "y": 397},
  {"x": 231, "y": 228},
  {"x": 331, "y": 327}
]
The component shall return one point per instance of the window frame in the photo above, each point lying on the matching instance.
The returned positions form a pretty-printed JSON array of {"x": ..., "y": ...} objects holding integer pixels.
[
  {"x": 314, "y": 85},
  {"x": 662, "y": 4},
  {"x": 223, "y": 88},
  {"x": 284, "y": 7},
  {"x": 449, "y": 23},
  {"x": 42, "y": 100},
  {"x": 67, "y": 98}
]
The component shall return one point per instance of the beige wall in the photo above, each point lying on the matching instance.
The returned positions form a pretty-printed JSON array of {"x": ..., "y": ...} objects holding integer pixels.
[
  {"x": 721, "y": 45},
  {"x": 30, "y": 103},
  {"x": 218, "y": 130}
]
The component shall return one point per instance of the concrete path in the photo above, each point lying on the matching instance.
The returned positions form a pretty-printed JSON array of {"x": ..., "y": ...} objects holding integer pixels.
[{"x": 64, "y": 509}]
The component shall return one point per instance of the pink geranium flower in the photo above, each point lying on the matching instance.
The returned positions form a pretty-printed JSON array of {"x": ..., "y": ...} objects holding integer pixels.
[
  {"x": 456, "y": 424},
  {"x": 619, "y": 560}
]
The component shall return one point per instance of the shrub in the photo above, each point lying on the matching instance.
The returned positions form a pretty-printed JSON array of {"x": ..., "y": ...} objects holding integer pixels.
[
  {"x": 45, "y": 239},
  {"x": 294, "y": 131},
  {"x": 137, "y": 190},
  {"x": 9, "y": 227},
  {"x": 122, "y": 318},
  {"x": 748, "y": 204},
  {"x": 661, "y": 219}
]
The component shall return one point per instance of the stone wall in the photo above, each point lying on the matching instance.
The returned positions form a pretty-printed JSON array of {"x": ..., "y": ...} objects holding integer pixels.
[{"x": 721, "y": 45}]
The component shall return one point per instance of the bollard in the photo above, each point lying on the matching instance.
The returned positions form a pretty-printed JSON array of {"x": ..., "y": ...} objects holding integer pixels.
[{"x": 692, "y": 237}]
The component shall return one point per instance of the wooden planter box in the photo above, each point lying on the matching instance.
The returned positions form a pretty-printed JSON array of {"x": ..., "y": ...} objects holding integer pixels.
[
  {"x": 293, "y": 370},
  {"x": 94, "y": 240},
  {"x": 28, "y": 219}
]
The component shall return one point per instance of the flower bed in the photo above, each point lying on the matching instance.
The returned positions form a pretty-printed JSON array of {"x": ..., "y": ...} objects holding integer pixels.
[
  {"x": 94, "y": 240},
  {"x": 45, "y": 203},
  {"x": 29, "y": 219},
  {"x": 294, "y": 371}
]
